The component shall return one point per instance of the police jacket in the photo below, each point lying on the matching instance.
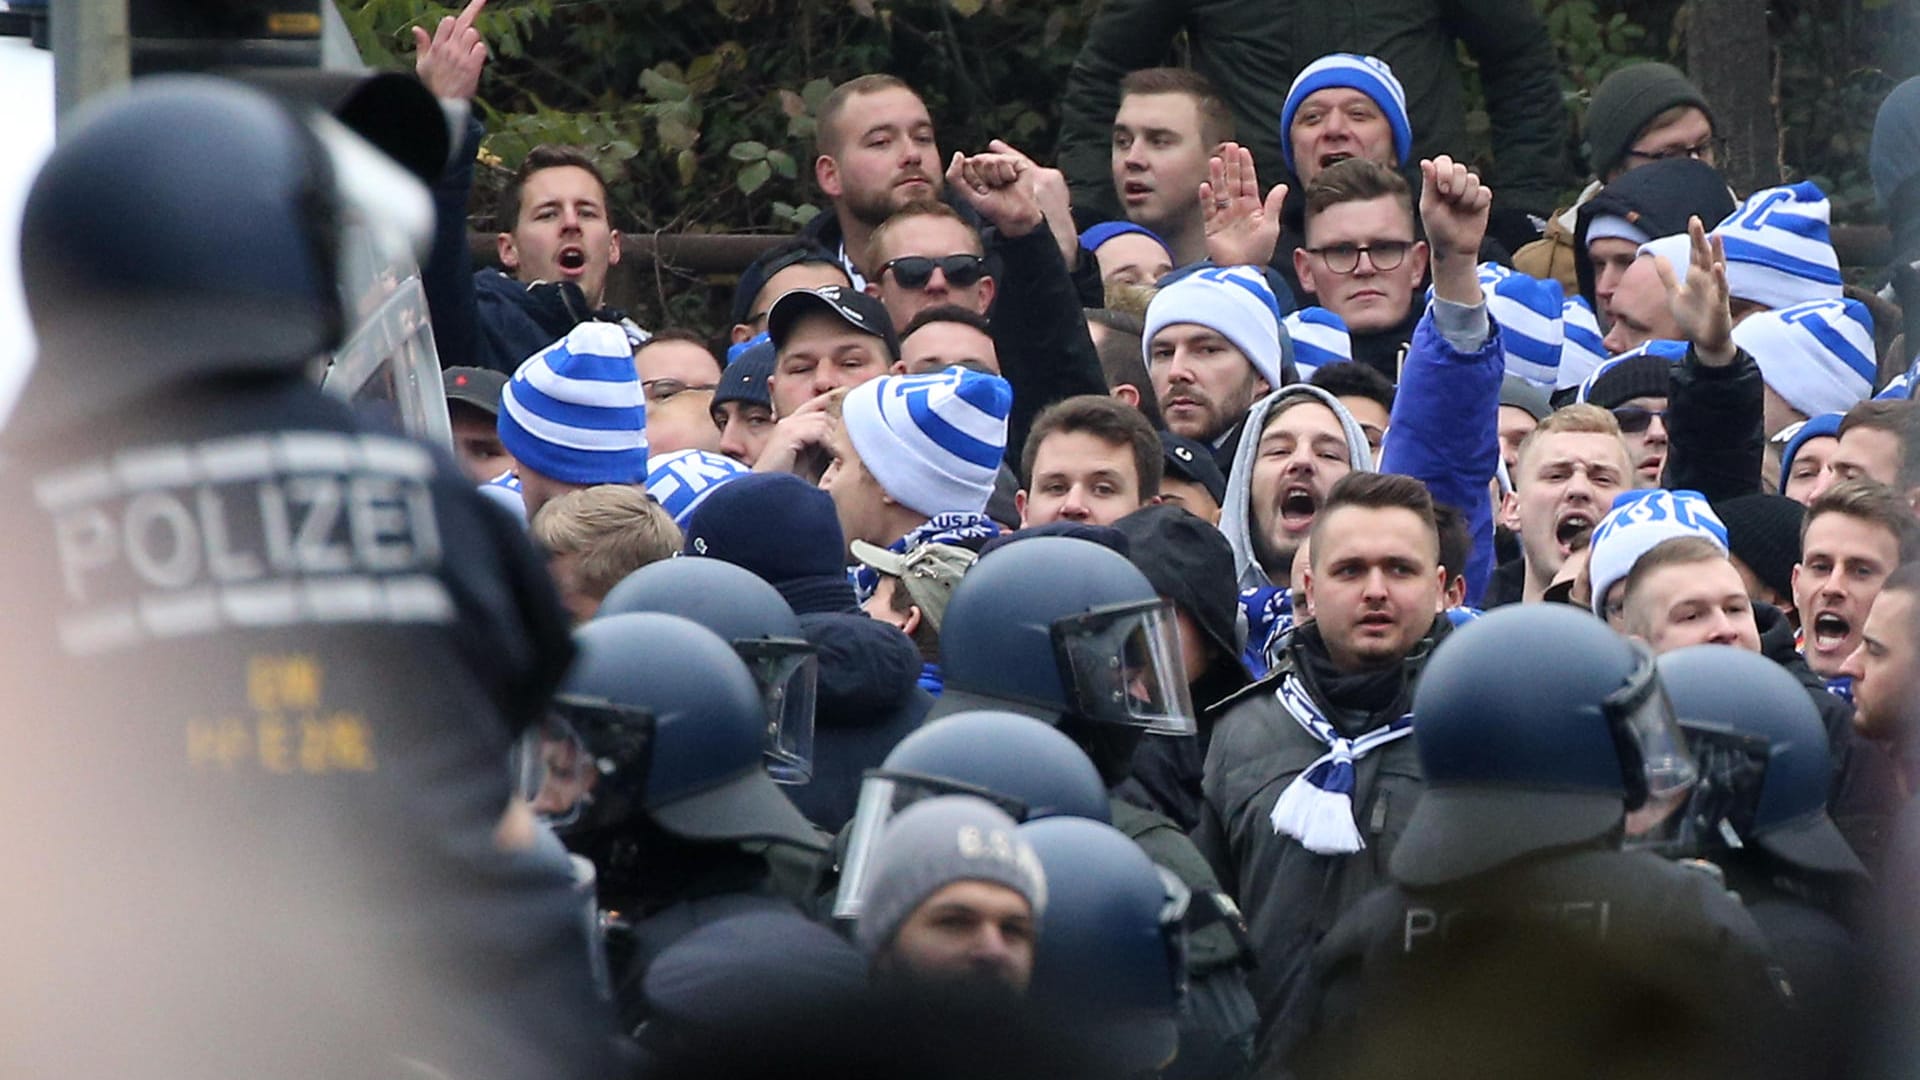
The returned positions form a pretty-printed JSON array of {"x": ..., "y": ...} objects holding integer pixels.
[
  {"x": 1866, "y": 790},
  {"x": 285, "y": 657},
  {"x": 1558, "y": 957},
  {"x": 1251, "y": 52},
  {"x": 1804, "y": 918},
  {"x": 1292, "y": 896}
]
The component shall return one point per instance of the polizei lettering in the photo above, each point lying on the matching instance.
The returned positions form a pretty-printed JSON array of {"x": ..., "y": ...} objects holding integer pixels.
[{"x": 255, "y": 531}]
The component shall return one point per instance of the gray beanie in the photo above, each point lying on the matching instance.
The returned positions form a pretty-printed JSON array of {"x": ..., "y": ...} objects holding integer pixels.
[
  {"x": 1624, "y": 104},
  {"x": 934, "y": 843}
]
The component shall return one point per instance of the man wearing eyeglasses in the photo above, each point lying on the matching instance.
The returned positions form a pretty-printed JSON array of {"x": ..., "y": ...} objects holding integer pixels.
[
  {"x": 1362, "y": 260},
  {"x": 926, "y": 256}
]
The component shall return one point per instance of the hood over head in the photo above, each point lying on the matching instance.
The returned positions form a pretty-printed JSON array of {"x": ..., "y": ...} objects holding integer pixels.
[{"x": 1236, "y": 513}]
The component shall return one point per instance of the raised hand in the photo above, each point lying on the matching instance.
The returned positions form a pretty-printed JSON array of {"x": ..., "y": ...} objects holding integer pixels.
[
  {"x": 1699, "y": 304},
  {"x": 449, "y": 62},
  {"x": 1242, "y": 228},
  {"x": 1453, "y": 210},
  {"x": 1050, "y": 191},
  {"x": 1000, "y": 188}
]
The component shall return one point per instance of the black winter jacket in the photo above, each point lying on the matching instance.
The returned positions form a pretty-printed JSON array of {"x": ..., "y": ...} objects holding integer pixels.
[{"x": 868, "y": 699}]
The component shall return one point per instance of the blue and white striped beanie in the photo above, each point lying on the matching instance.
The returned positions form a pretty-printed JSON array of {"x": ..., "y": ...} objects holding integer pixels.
[
  {"x": 1818, "y": 356},
  {"x": 934, "y": 442},
  {"x": 1233, "y": 301},
  {"x": 1583, "y": 347},
  {"x": 1672, "y": 352},
  {"x": 1528, "y": 312},
  {"x": 1900, "y": 387},
  {"x": 1319, "y": 338},
  {"x": 1638, "y": 521},
  {"x": 575, "y": 413},
  {"x": 1779, "y": 247},
  {"x": 681, "y": 481},
  {"x": 1368, "y": 74}
]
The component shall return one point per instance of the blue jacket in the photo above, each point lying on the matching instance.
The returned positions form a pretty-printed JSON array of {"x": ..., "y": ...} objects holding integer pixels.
[{"x": 1445, "y": 431}]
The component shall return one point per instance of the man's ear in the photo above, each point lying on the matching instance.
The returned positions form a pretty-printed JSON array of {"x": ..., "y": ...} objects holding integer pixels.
[
  {"x": 1306, "y": 590},
  {"x": 508, "y": 251},
  {"x": 913, "y": 617},
  {"x": 1126, "y": 393},
  {"x": 826, "y": 173},
  {"x": 1453, "y": 593},
  {"x": 1301, "y": 260},
  {"x": 899, "y": 368},
  {"x": 1020, "y": 505},
  {"x": 1509, "y": 512},
  {"x": 613, "y": 249},
  {"x": 987, "y": 289},
  {"x": 1419, "y": 255},
  {"x": 741, "y": 332}
]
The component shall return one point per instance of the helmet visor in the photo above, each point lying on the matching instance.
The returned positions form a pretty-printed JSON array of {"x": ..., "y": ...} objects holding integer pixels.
[
  {"x": 883, "y": 795},
  {"x": 1733, "y": 767},
  {"x": 1123, "y": 666},
  {"x": 585, "y": 764},
  {"x": 1642, "y": 711},
  {"x": 788, "y": 673}
]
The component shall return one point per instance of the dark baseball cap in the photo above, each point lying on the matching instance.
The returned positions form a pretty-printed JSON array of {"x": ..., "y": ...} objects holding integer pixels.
[
  {"x": 476, "y": 386},
  {"x": 850, "y": 305},
  {"x": 1192, "y": 461}
]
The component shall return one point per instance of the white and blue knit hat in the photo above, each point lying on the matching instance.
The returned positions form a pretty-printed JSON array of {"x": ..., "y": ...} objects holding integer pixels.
[
  {"x": 934, "y": 442},
  {"x": 1233, "y": 301},
  {"x": 682, "y": 480},
  {"x": 1779, "y": 247},
  {"x": 1672, "y": 352},
  {"x": 1528, "y": 312},
  {"x": 575, "y": 412},
  {"x": 1818, "y": 356},
  {"x": 1583, "y": 347},
  {"x": 1900, "y": 387},
  {"x": 1637, "y": 522},
  {"x": 1367, "y": 74},
  {"x": 1319, "y": 338}
]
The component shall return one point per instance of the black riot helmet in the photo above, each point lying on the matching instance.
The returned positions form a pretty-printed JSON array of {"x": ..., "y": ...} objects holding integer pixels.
[
  {"x": 1021, "y": 765},
  {"x": 1537, "y": 728},
  {"x": 1762, "y": 751},
  {"x": 1057, "y": 627},
  {"x": 657, "y": 719},
  {"x": 1110, "y": 958},
  {"x": 755, "y": 619},
  {"x": 192, "y": 226}
]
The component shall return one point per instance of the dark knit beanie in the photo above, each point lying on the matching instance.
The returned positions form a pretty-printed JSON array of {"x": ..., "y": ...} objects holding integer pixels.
[
  {"x": 1626, "y": 101},
  {"x": 1763, "y": 531},
  {"x": 747, "y": 376},
  {"x": 783, "y": 529},
  {"x": 1646, "y": 375}
]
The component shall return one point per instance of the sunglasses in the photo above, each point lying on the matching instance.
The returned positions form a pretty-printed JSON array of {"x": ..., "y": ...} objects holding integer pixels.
[
  {"x": 914, "y": 271},
  {"x": 1634, "y": 419}
]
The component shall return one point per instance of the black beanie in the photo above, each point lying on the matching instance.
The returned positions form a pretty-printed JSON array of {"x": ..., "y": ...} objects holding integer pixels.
[
  {"x": 1626, "y": 101},
  {"x": 1763, "y": 531},
  {"x": 1646, "y": 375}
]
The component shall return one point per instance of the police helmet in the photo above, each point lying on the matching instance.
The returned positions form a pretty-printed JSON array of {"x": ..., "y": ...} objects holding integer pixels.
[
  {"x": 657, "y": 718},
  {"x": 1762, "y": 751},
  {"x": 1111, "y": 951},
  {"x": 1021, "y": 765},
  {"x": 744, "y": 610},
  {"x": 193, "y": 226},
  {"x": 1537, "y": 728},
  {"x": 1054, "y": 627}
]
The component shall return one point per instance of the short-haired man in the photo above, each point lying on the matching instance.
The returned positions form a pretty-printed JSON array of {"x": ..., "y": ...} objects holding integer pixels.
[
  {"x": 1366, "y": 393},
  {"x": 1116, "y": 338},
  {"x": 1685, "y": 591},
  {"x": 947, "y": 336},
  {"x": 876, "y": 154},
  {"x": 1879, "y": 441},
  {"x": 1885, "y": 669},
  {"x": 924, "y": 256},
  {"x": 1570, "y": 468},
  {"x": 1212, "y": 346},
  {"x": 573, "y": 416},
  {"x": 1170, "y": 122},
  {"x": 1636, "y": 388},
  {"x": 1362, "y": 259},
  {"x": 1640, "y": 114},
  {"x": 795, "y": 264},
  {"x": 914, "y": 455},
  {"x": 678, "y": 375},
  {"x": 1855, "y": 534},
  {"x": 1296, "y": 842},
  {"x": 954, "y": 901},
  {"x": 595, "y": 537},
  {"x": 1089, "y": 459}
]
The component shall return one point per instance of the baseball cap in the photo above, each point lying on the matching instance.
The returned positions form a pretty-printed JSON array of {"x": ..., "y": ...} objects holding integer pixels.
[
  {"x": 1191, "y": 460},
  {"x": 855, "y": 308},
  {"x": 929, "y": 572},
  {"x": 476, "y": 386}
]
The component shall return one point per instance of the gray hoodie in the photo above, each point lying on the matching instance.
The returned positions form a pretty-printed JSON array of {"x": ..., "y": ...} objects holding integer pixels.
[{"x": 1236, "y": 514}]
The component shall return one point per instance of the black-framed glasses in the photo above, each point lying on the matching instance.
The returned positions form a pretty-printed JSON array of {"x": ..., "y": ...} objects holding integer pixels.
[
  {"x": 914, "y": 271},
  {"x": 1705, "y": 150},
  {"x": 1345, "y": 258},
  {"x": 1634, "y": 419}
]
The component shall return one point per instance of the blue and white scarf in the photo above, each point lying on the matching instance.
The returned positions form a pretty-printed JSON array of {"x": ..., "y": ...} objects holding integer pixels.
[
  {"x": 1317, "y": 808},
  {"x": 956, "y": 527}
]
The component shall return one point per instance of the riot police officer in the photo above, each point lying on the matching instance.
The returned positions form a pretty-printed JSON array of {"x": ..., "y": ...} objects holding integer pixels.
[
  {"x": 1519, "y": 930},
  {"x": 286, "y": 654}
]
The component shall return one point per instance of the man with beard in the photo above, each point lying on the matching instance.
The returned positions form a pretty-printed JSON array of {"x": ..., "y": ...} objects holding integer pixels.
[
  {"x": 1213, "y": 344},
  {"x": 1571, "y": 467},
  {"x": 1885, "y": 668},
  {"x": 877, "y": 154},
  {"x": 1854, "y": 536}
]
